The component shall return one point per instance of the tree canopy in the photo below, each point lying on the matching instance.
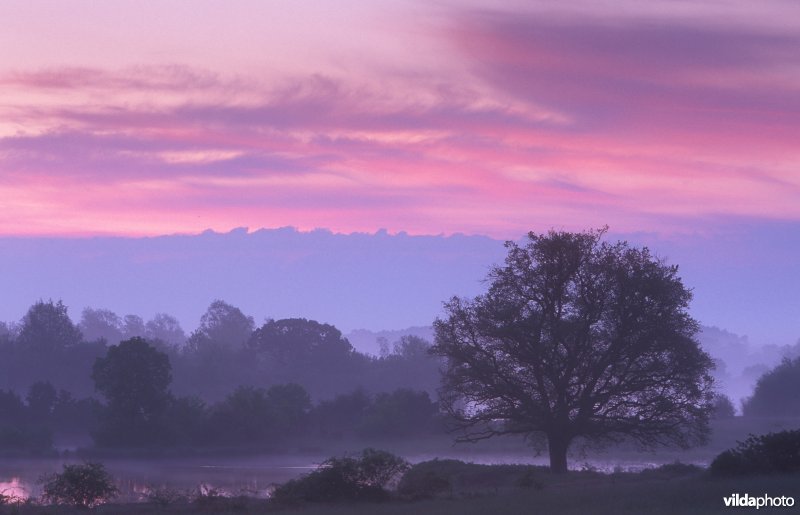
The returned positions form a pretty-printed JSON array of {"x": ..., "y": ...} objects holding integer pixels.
[
  {"x": 222, "y": 325},
  {"x": 134, "y": 377},
  {"x": 775, "y": 394},
  {"x": 47, "y": 327},
  {"x": 576, "y": 338}
]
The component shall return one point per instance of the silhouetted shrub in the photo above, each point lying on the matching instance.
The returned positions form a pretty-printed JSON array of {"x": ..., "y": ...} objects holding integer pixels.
[
  {"x": 83, "y": 486},
  {"x": 765, "y": 454},
  {"x": 361, "y": 478}
]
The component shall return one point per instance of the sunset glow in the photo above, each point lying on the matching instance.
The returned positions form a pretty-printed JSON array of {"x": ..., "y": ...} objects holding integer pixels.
[{"x": 134, "y": 120}]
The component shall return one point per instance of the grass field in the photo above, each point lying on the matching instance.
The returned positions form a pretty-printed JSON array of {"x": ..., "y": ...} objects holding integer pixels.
[{"x": 496, "y": 490}]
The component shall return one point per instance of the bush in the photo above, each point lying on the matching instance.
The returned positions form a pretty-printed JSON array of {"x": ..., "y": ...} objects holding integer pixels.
[
  {"x": 765, "y": 454},
  {"x": 83, "y": 486},
  {"x": 364, "y": 477}
]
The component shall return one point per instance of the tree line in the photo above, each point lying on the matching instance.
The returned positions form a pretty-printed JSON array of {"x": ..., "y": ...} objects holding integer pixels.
[
  {"x": 576, "y": 339},
  {"x": 138, "y": 410},
  {"x": 225, "y": 351},
  {"x": 228, "y": 382}
]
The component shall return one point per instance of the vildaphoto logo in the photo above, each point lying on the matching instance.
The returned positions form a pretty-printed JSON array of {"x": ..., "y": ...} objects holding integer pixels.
[{"x": 761, "y": 501}]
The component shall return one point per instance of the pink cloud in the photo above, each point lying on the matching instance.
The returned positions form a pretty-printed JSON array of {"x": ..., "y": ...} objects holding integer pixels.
[
  {"x": 553, "y": 121},
  {"x": 644, "y": 79}
]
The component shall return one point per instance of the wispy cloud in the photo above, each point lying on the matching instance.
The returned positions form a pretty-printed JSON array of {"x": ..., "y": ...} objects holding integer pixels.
[{"x": 551, "y": 118}]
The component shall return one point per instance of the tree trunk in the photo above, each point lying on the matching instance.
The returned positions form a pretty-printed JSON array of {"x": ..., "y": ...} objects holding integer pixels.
[{"x": 558, "y": 444}]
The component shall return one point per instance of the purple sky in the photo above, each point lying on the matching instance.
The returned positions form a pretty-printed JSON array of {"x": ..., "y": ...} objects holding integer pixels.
[{"x": 677, "y": 120}]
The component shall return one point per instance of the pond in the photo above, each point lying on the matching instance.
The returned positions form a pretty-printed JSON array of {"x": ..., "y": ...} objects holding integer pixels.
[{"x": 136, "y": 478}]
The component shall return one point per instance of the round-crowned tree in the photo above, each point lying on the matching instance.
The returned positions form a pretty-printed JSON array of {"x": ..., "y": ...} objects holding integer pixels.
[
  {"x": 134, "y": 378},
  {"x": 46, "y": 327},
  {"x": 775, "y": 394},
  {"x": 576, "y": 338}
]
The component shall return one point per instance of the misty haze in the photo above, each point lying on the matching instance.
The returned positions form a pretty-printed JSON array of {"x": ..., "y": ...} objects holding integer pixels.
[{"x": 399, "y": 257}]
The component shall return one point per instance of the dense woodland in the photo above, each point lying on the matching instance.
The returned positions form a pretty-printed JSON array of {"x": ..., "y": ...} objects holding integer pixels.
[{"x": 228, "y": 382}]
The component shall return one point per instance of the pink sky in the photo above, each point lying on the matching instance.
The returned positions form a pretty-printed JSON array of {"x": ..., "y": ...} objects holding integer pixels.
[{"x": 139, "y": 118}]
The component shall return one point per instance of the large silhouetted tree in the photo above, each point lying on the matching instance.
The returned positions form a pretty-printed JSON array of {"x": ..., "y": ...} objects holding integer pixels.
[{"x": 576, "y": 338}]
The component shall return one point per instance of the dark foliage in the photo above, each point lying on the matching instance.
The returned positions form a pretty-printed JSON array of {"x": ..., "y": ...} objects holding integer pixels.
[
  {"x": 20, "y": 430},
  {"x": 84, "y": 486},
  {"x": 101, "y": 324},
  {"x": 186, "y": 421},
  {"x": 286, "y": 362},
  {"x": 47, "y": 327},
  {"x": 242, "y": 417},
  {"x": 341, "y": 416},
  {"x": 288, "y": 407},
  {"x": 42, "y": 400},
  {"x": 723, "y": 407},
  {"x": 46, "y": 346},
  {"x": 222, "y": 325},
  {"x": 401, "y": 413},
  {"x": 576, "y": 338},
  {"x": 12, "y": 409},
  {"x": 252, "y": 415},
  {"x": 166, "y": 329},
  {"x": 776, "y": 392},
  {"x": 35, "y": 439},
  {"x": 313, "y": 354},
  {"x": 410, "y": 359},
  {"x": 773, "y": 453},
  {"x": 134, "y": 378},
  {"x": 360, "y": 478}
]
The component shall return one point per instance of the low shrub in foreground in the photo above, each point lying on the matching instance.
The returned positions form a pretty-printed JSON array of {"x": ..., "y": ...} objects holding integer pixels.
[
  {"x": 765, "y": 454},
  {"x": 84, "y": 486},
  {"x": 359, "y": 478}
]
